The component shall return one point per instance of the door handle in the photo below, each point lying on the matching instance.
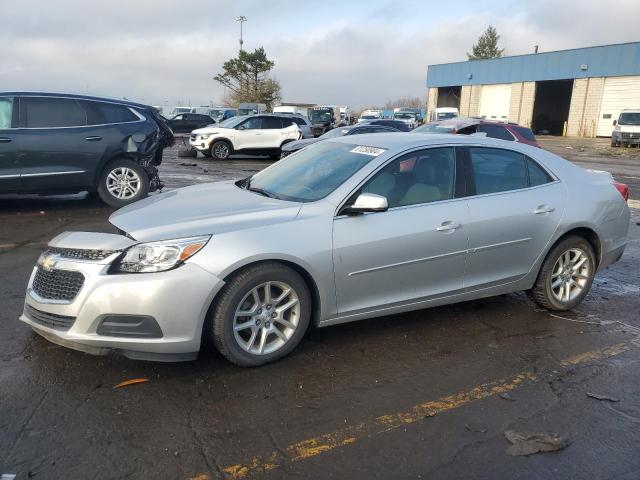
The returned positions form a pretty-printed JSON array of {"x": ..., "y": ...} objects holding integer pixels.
[
  {"x": 94, "y": 138},
  {"x": 543, "y": 209},
  {"x": 448, "y": 226},
  {"x": 4, "y": 140}
]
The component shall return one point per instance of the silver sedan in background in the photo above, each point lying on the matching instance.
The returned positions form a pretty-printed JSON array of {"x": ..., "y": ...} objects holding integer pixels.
[{"x": 349, "y": 228}]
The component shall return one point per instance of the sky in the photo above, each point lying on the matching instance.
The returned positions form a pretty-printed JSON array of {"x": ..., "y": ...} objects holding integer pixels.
[{"x": 359, "y": 52}]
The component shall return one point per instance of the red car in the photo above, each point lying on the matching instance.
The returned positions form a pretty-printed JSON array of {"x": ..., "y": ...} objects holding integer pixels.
[{"x": 466, "y": 126}]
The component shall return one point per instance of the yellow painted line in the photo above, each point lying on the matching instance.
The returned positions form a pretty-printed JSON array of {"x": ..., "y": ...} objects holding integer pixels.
[
  {"x": 315, "y": 446},
  {"x": 8, "y": 245},
  {"x": 633, "y": 203}
]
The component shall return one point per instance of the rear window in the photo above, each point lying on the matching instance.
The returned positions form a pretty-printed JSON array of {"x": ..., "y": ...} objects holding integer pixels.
[
  {"x": 44, "y": 112},
  {"x": 101, "y": 113},
  {"x": 496, "y": 131},
  {"x": 526, "y": 133},
  {"x": 272, "y": 123}
]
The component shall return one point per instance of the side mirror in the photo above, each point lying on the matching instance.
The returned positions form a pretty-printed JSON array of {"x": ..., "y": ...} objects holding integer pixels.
[
  {"x": 615, "y": 122},
  {"x": 368, "y": 202}
]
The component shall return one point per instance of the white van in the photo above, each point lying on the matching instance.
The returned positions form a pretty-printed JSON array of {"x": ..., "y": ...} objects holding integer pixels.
[
  {"x": 626, "y": 130},
  {"x": 301, "y": 110},
  {"x": 443, "y": 113}
]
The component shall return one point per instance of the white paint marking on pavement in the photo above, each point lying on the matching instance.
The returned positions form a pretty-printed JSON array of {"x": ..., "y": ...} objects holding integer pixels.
[{"x": 633, "y": 204}]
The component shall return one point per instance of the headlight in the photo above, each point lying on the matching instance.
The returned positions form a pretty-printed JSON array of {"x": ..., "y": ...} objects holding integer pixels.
[
  {"x": 158, "y": 256},
  {"x": 205, "y": 136}
]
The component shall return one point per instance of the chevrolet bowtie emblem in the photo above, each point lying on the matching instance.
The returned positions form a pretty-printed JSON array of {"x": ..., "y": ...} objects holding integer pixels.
[{"x": 48, "y": 261}]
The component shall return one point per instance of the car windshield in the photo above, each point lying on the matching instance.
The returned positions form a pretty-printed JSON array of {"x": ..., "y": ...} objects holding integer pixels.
[
  {"x": 231, "y": 122},
  {"x": 216, "y": 114},
  {"x": 446, "y": 115},
  {"x": 405, "y": 115},
  {"x": 629, "y": 118},
  {"x": 320, "y": 116},
  {"x": 336, "y": 132},
  {"x": 434, "y": 128},
  {"x": 313, "y": 172}
]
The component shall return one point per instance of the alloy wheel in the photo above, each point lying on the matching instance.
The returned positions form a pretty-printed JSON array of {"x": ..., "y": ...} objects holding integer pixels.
[
  {"x": 570, "y": 275},
  {"x": 266, "y": 318},
  {"x": 221, "y": 150},
  {"x": 123, "y": 182}
]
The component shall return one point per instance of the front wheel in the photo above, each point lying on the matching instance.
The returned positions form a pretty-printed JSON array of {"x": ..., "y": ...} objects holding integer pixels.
[
  {"x": 566, "y": 275},
  {"x": 122, "y": 182},
  {"x": 261, "y": 315},
  {"x": 220, "y": 150}
]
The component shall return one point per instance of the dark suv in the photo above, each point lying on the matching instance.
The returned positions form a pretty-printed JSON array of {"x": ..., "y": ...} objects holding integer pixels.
[{"x": 61, "y": 143}]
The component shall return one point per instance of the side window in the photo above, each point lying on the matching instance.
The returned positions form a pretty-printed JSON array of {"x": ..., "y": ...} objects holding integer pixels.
[
  {"x": 43, "y": 112},
  {"x": 537, "y": 175},
  {"x": 254, "y": 123},
  {"x": 6, "y": 112},
  {"x": 179, "y": 117},
  {"x": 467, "y": 130},
  {"x": 526, "y": 133},
  {"x": 496, "y": 131},
  {"x": 272, "y": 123},
  {"x": 101, "y": 113},
  {"x": 298, "y": 121},
  {"x": 496, "y": 170},
  {"x": 419, "y": 177}
]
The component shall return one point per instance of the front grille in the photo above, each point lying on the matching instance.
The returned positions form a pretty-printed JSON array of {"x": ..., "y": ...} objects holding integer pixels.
[
  {"x": 51, "y": 320},
  {"x": 80, "y": 254},
  {"x": 57, "y": 284},
  {"x": 630, "y": 135},
  {"x": 193, "y": 137}
]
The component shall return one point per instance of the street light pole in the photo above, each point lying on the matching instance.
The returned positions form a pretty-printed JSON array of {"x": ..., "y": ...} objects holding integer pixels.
[{"x": 241, "y": 19}]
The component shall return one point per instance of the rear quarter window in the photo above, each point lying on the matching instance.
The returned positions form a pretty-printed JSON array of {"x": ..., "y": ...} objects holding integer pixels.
[
  {"x": 101, "y": 113},
  {"x": 525, "y": 133}
]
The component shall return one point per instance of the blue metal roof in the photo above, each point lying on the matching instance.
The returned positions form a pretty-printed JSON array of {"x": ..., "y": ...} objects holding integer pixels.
[{"x": 602, "y": 61}]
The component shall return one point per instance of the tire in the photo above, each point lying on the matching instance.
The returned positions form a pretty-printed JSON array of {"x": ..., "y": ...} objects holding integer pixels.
[
  {"x": 242, "y": 346},
  {"x": 187, "y": 153},
  {"x": 136, "y": 188},
  {"x": 220, "y": 150},
  {"x": 553, "y": 298}
]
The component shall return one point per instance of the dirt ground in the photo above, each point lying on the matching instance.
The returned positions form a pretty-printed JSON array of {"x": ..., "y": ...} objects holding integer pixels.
[{"x": 427, "y": 394}]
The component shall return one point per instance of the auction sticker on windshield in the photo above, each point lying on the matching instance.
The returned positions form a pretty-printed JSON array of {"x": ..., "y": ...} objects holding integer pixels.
[{"x": 373, "y": 151}]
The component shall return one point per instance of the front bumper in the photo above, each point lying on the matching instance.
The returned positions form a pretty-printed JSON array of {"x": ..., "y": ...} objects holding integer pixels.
[
  {"x": 176, "y": 300},
  {"x": 625, "y": 137},
  {"x": 200, "y": 144}
]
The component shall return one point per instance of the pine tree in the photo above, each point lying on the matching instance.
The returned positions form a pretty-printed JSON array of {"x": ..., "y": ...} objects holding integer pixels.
[{"x": 487, "y": 46}]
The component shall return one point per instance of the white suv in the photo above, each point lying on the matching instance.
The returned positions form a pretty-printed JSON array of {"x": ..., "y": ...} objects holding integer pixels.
[{"x": 255, "y": 134}]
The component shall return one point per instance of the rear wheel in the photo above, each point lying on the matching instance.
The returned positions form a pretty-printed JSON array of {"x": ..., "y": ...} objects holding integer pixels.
[
  {"x": 123, "y": 181},
  {"x": 566, "y": 275},
  {"x": 261, "y": 315}
]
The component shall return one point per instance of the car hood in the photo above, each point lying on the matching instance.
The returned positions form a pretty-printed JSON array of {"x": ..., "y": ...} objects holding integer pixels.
[
  {"x": 209, "y": 129},
  {"x": 203, "y": 209},
  {"x": 298, "y": 144}
]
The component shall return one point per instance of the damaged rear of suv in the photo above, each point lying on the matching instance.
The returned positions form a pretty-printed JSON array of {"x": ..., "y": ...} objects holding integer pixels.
[{"x": 62, "y": 143}]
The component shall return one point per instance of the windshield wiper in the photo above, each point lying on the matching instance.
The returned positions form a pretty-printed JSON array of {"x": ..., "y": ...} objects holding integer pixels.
[{"x": 261, "y": 191}]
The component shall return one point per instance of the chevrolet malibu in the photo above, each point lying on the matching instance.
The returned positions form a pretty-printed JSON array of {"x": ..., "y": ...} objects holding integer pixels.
[{"x": 349, "y": 228}]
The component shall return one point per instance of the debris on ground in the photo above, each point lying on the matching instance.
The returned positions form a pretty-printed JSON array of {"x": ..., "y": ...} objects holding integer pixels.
[
  {"x": 475, "y": 430},
  {"x": 184, "y": 164},
  {"x": 507, "y": 396},
  {"x": 603, "y": 397},
  {"x": 528, "y": 443},
  {"x": 133, "y": 381}
]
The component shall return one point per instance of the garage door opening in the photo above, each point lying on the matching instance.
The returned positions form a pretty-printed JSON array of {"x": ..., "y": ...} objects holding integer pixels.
[
  {"x": 449, "y": 97},
  {"x": 551, "y": 106}
]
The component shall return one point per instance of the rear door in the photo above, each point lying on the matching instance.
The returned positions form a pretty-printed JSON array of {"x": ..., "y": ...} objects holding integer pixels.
[
  {"x": 58, "y": 149},
  {"x": 274, "y": 132},
  {"x": 9, "y": 168},
  {"x": 515, "y": 207}
]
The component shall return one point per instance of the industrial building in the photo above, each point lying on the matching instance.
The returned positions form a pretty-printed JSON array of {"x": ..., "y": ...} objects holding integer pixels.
[{"x": 577, "y": 92}]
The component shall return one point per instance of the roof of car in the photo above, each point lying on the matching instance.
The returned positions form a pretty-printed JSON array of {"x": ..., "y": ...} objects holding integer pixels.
[
  {"x": 73, "y": 95},
  {"x": 407, "y": 140}
]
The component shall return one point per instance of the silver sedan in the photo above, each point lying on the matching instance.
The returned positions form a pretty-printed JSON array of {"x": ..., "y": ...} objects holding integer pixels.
[{"x": 346, "y": 229}]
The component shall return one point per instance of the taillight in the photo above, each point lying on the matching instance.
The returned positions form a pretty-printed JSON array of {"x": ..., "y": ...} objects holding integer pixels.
[{"x": 623, "y": 189}]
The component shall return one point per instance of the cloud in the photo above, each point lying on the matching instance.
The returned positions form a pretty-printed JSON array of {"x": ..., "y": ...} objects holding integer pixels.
[{"x": 356, "y": 53}]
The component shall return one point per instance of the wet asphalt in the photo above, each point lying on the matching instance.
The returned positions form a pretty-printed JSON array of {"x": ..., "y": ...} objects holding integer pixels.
[{"x": 427, "y": 394}]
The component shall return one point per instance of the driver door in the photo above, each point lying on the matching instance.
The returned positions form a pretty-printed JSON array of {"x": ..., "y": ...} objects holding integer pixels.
[
  {"x": 249, "y": 134},
  {"x": 416, "y": 250}
]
